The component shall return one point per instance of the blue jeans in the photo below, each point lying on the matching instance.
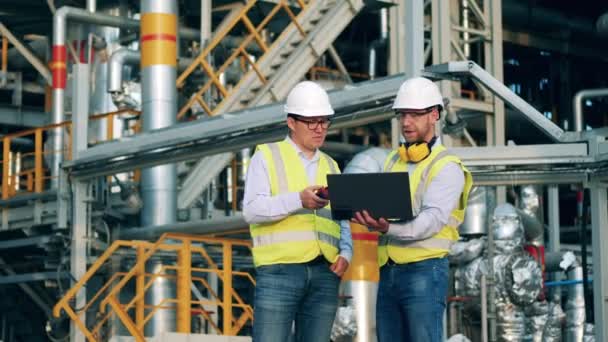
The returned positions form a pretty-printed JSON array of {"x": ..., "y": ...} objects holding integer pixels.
[
  {"x": 304, "y": 293},
  {"x": 411, "y": 301}
]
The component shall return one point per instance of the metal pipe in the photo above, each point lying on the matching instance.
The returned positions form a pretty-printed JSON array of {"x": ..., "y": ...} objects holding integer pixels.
[
  {"x": 115, "y": 64},
  {"x": 484, "y": 309},
  {"x": 59, "y": 67},
  {"x": 124, "y": 56},
  {"x": 159, "y": 106},
  {"x": 92, "y": 5},
  {"x": 378, "y": 43},
  {"x": 214, "y": 225},
  {"x": 575, "y": 307},
  {"x": 578, "y": 104}
]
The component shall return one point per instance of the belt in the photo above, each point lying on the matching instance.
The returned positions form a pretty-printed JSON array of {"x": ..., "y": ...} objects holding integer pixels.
[
  {"x": 391, "y": 262},
  {"x": 317, "y": 261}
]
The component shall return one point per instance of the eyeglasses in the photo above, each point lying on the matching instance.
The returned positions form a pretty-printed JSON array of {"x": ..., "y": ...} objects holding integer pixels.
[
  {"x": 314, "y": 124},
  {"x": 401, "y": 113}
]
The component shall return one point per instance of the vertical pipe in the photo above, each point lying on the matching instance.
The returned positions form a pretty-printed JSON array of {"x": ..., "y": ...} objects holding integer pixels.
[
  {"x": 38, "y": 169},
  {"x": 92, "y": 5},
  {"x": 184, "y": 279},
  {"x": 233, "y": 188},
  {"x": 59, "y": 71},
  {"x": 491, "y": 316},
  {"x": 227, "y": 291},
  {"x": 599, "y": 240},
  {"x": 484, "y": 309},
  {"x": 414, "y": 37},
  {"x": 159, "y": 106},
  {"x": 554, "y": 238}
]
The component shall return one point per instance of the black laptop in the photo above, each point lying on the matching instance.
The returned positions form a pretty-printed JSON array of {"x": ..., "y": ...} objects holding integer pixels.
[{"x": 381, "y": 194}]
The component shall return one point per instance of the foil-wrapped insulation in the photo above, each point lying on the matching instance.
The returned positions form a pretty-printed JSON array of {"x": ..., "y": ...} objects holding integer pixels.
[
  {"x": 463, "y": 252},
  {"x": 480, "y": 204},
  {"x": 345, "y": 324},
  {"x": 525, "y": 281},
  {"x": 536, "y": 319},
  {"x": 507, "y": 228},
  {"x": 510, "y": 322},
  {"x": 555, "y": 320},
  {"x": 575, "y": 306},
  {"x": 370, "y": 160},
  {"x": 589, "y": 333},
  {"x": 471, "y": 278}
]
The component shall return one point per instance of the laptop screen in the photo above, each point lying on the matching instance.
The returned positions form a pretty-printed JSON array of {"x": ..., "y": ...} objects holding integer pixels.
[{"x": 384, "y": 195}]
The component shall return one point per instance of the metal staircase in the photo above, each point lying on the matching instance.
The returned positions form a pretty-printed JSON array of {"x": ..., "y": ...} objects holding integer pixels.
[{"x": 283, "y": 63}]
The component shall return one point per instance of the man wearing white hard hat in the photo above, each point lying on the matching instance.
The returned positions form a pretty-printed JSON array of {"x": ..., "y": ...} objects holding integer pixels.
[
  {"x": 413, "y": 255},
  {"x": 299, "y": 252}
]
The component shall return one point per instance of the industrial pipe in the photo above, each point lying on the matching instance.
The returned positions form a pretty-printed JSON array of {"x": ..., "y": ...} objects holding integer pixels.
[
  {"x": 59, "y": 65},
  {"x": 124, "y": 56},
  {"x": 378, "y": 43},
  {"x": 578, "y": 104},
  {"x": 158, "y": 40}
]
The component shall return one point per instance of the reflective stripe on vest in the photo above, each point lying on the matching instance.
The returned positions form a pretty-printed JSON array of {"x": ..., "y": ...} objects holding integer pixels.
[{"x": 304, "y": 235}]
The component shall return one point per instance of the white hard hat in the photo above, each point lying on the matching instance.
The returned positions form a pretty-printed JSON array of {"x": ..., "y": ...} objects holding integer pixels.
[
  {"x": 308, "y": 99},
  {"x": 418, "y": 93}
]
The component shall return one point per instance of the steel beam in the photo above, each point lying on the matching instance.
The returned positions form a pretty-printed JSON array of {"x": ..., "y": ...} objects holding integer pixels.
[
  {"x": 30, "y": 241},
  {"x": 29, "y": 277},
  {"x": 599, "y": 237},
  {"x": 228, "y": 132},
  {"x": 19, "y": 116},
  {"x": 471, "y": 69},
  {"x": 524, "y": 154}
]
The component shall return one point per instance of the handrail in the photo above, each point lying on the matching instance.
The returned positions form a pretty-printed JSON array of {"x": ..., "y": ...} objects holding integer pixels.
[
  {"x": 109, "y": 292},
  {"x": 254, "y": 34},
  {"x": 11, "y": 182}
]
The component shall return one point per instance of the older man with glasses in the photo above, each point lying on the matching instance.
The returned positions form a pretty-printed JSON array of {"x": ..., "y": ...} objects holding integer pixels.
[{"x": 299, "y": 252}]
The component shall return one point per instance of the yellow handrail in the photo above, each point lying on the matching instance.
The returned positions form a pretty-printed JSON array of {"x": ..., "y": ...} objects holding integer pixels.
[
  {"x": 35, "y": 172},
  {"x": 182, "y": 273}
]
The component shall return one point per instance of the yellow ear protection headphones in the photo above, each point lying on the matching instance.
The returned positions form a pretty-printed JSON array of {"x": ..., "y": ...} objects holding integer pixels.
[{"x": 415, "y": 152}]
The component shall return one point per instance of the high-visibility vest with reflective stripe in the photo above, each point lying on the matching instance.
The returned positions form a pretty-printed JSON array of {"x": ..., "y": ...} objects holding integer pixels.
[
  {"x": 305, "y": 234},
  {"x": 438, "y": 245}
]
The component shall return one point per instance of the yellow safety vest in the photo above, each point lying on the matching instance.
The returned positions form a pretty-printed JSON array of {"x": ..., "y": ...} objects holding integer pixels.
[
  {"x": 438, "y": 245},
  {"x": 305, "y": 234}
]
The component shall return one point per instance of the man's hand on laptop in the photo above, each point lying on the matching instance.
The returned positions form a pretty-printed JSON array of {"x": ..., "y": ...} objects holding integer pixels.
[
  {"x": 365, "y": 219},
  {"x": 310, "y": 200}
]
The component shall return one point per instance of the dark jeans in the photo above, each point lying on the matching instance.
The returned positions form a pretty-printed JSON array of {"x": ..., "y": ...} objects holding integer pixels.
[
  {"x": 411, "y": 301},
  {"x": 304, "y": 293}
]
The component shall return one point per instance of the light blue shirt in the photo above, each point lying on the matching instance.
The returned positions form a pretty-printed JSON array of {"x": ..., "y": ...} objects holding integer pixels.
[
  {"x": 259, "y": 206},
  {"x": 439, "y": 200}
]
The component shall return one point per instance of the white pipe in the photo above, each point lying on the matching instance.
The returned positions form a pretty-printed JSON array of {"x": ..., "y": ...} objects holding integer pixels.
[
  {"x": 124, "y": 56},
  {"x": 578, "y": 104},
  {"x": 60, "y": 20}
]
